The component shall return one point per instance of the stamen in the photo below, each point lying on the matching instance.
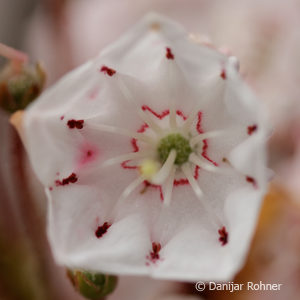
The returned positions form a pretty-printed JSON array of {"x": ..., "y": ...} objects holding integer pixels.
[
  {"x": 131, "y": 187},
  {"x": 168, "y": 187},
  {"x": 154, "y": 255},
  {"x": 70, "y": 179},
  {"x": 169, "y": 53},
  {"x": 198, "y": 192},
  {"x": 128, "y": 96},
  {"x": 215, "y": 87},
  {"x": 75, "y": 124},
  {"x": 234, "y": 62},
  {"x": 126, "y": 93},
  {"x": 125, "y": 157},
  {"x": 223, "y": 236},
  {"x": 202, "y": 163},
  {"x": 189, "y": 121},
  {"x": 101, "y": 230},
  {"x": 172, "y": 116},
  {"x": 251, "y": 129},
  {"x": 165, "y": 170},
  {"x": 194, "y": 184},
  {"x": 147, "y": 119},
  {"x": 200, "y": 137},
  {"x": 172, "y": 95},
  {"x": 252, "y": 181},
  {"x": 109, "y": 71},
  {"x": 156, "y": 247},
  {"x": 223, "y": 74},
  {"x": 122, "y": 131}
]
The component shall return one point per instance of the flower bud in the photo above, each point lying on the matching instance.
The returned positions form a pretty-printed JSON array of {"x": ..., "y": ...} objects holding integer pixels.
[
  {"x": 91, "y": 285},
  {"x": 19, "y": 88}
]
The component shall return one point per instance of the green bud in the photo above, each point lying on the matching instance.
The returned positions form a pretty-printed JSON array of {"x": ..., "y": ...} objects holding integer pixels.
[
  {"x": 19, "y": 88},
  {"x": 94, "y": 286}
]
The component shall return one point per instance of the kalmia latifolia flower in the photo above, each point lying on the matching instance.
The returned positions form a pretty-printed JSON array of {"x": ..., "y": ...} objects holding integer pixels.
[{"x": 153, "y": 158}]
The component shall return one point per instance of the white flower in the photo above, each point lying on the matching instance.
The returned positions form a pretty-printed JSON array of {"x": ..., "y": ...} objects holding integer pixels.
[{"x": 153, "y": 158}]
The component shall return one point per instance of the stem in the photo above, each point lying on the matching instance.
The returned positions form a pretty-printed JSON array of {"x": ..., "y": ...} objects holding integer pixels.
[
  {"x": 17, "y": 58},
  {"x": 13, "y": 54}
]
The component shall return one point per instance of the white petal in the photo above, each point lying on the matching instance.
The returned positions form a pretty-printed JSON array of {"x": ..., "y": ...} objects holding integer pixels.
[
  {"x": 250, "y": 157},
  {"x": 76, "y": 211}
]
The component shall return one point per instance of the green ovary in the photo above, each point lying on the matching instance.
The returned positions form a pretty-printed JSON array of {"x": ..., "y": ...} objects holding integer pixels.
[{"x": 177, "y": 142}]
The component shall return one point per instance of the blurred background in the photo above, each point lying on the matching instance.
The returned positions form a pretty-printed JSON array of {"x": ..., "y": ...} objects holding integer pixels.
[{"x": 62, "y": 34}]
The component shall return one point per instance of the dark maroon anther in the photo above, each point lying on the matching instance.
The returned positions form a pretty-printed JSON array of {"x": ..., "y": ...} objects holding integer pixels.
[
  {"x": 223, "y": 236},
  {"x": 101, "y": 230},
  {"x": 70, "y": 179},
  {"x": 169, "y": 54},
  {"x": 75, "y": 124},
  {"x": 107, "y": 70},
  {"x": 251, "y": 129}
]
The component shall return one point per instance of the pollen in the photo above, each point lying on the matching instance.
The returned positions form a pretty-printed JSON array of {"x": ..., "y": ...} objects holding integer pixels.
[
  {"x": 177, "y": 142},
  {"x": 149, "y": 168}
]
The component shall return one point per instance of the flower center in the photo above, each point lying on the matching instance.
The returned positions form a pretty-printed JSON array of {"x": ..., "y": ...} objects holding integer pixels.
[{"x": 177, "y": 142}]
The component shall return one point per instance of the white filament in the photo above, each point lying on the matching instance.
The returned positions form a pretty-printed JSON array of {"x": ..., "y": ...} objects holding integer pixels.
[
  {"x": 148, "y": 120},
  {"x": 195, "y": 159},
  {"x": 168, "y": 187},
  {"x": 190, "y": 177},
  {"x": 125, "y": 157},
  {"x": 213, "y": 87},
  {"x": 172, "y": 117},
  {"x": 131, "y": 187},
  {"x": 172, "y": 95},
  {"x": 202, "y": 136},
  {"x": 122, "y": 131},
  {"x": 130, "y": 98},
  {"x": 165, "y": 170}
]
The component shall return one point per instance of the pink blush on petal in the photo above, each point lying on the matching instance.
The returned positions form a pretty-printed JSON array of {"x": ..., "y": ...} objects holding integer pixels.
[
  {"x": 88, "y": 154},
  {"x": 92, "y": 95}
]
